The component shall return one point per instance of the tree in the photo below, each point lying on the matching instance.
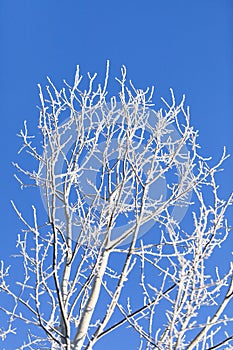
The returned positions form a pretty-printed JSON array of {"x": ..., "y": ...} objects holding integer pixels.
[{"x": 116, "y": 178}]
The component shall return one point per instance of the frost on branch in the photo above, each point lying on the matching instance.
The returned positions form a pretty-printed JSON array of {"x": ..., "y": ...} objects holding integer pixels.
[{"x": 116, "y": 178}]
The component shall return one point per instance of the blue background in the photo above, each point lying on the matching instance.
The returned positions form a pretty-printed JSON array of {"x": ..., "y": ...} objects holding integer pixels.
[{"x": 183, "y": 44}]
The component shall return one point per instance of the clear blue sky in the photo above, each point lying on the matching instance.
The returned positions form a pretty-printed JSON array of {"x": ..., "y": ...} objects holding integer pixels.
[{"x": 183, "y": 44}]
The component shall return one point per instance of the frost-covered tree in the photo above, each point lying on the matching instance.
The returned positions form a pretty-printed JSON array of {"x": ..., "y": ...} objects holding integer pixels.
[{"x": 115, "y": 249}]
